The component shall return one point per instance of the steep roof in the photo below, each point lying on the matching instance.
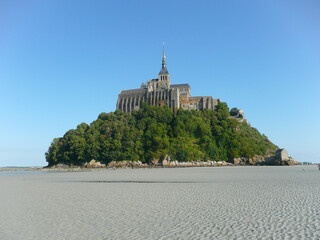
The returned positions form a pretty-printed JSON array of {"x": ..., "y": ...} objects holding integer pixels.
[
  {"x": 180, "y": 85},
  {"x": 164, "y": 64},
  {"x": 163, "y": 71},
  {"x": 133, "y": 91}
]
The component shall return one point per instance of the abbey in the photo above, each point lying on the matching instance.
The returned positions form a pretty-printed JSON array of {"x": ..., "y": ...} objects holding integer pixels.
[{"x": 160, "y": 92}]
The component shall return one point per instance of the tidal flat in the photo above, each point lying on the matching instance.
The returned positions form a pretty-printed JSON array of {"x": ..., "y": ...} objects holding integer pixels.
[{"x": 163, "y": 203}]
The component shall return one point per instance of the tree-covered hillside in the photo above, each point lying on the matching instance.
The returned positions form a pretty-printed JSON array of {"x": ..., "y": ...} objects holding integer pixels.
[{"x": 152, "y": 132}]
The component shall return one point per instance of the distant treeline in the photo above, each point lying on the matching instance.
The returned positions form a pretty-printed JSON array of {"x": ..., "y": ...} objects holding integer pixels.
[{"x": 152, "y": 132}]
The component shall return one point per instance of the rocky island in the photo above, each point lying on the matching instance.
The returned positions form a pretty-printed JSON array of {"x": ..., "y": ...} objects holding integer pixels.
[
  {"x": 156, "y": 136},
  {"x": 161, "y": 124}
]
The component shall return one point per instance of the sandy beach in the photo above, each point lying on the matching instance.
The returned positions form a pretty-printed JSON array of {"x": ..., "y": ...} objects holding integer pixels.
[{"x": 179, "y": 203}]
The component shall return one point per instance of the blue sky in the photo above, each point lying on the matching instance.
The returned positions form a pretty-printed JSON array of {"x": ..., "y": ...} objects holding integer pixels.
[{"x": 64, "y": 62}]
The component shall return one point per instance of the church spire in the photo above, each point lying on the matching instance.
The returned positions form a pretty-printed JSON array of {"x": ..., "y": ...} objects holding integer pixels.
[
  {"x": 164, "y": 63},
  {"x": 164, "y": 58}
]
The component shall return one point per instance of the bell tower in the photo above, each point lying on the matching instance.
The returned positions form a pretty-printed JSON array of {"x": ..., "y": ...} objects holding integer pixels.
[{"x": 164, "y": 77}]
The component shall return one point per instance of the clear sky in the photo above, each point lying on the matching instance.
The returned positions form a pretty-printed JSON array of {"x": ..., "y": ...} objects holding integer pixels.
[{"x": 65, "y": 62}]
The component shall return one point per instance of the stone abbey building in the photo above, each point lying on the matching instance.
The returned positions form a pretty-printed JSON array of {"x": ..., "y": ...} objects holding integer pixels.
[{"x": 160, "y": 92}]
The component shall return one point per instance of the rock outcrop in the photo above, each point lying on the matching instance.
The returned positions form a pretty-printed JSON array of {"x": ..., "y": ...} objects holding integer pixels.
[
  {"x": 60, "y": 166},
  {"x": 279, "y": 158},
  {"x": 255, "y": 160},
  {"x": 127, "y": 164},
  {"x": 238, "y": 114},
  {"x": 63, "y": 167},
  {"x": 154, "y": 162},
  {"x": 166, "y": 162},
  {"x": 94, "y": 164}
]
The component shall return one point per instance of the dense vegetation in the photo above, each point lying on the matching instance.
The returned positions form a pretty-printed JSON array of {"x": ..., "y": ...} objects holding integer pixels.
[{"x": 152, "y": 132}]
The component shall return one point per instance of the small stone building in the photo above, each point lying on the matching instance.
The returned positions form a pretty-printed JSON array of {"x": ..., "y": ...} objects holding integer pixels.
[
  {"x": 160, "y": 92},
  {"x": 282, "y": 154}
]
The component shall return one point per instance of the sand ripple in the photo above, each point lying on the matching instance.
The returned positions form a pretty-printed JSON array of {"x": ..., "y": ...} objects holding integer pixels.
[{"x": 191, "y": 203}]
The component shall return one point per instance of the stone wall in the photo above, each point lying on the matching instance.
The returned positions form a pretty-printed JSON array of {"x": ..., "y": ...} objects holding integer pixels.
[{"x": 159, "y": 93}]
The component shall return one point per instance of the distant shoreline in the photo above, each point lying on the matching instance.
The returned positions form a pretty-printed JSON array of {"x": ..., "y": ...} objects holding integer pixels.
[{"x": 79, "y": 169}]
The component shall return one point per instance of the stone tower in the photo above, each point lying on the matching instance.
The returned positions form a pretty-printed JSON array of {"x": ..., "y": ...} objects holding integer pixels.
[{"x": 164, "y": 77}]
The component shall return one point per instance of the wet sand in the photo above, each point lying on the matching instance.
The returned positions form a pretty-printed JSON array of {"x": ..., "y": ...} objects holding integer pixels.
[{"x": 179, "y": 203}]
